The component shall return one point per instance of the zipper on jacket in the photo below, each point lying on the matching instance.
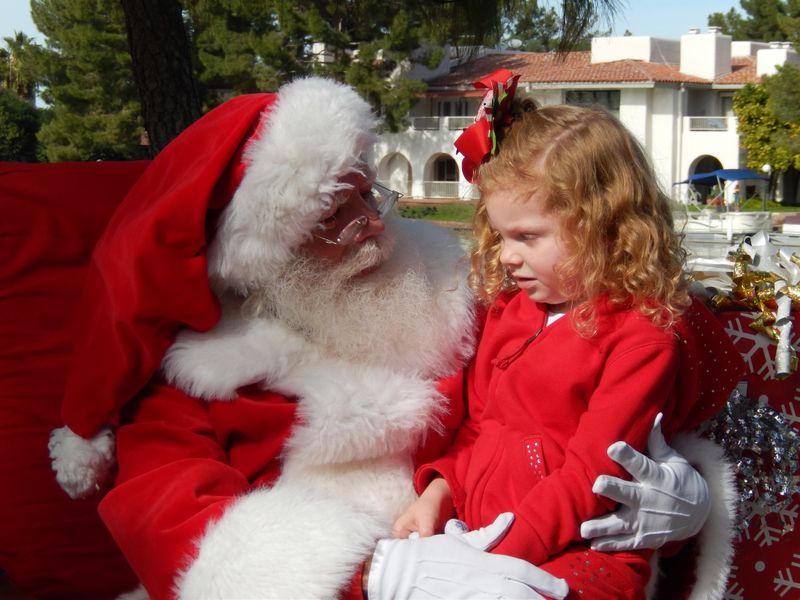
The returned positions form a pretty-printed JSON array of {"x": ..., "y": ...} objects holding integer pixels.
[{"x": 503, "y": 363}]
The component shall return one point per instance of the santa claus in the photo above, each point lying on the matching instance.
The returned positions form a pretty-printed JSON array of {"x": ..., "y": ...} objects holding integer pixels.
[{"x": 267, "y": 353}]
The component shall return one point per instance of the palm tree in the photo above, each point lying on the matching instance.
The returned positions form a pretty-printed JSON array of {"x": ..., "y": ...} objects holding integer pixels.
[{"x": 16, "y": 68}]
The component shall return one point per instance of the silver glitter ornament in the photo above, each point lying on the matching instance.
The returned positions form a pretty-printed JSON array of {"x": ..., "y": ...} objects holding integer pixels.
[{"x": 763, "y": 448}]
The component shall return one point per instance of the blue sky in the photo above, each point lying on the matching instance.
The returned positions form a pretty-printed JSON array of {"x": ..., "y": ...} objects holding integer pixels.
[
  {"x": 667, "y": 18},
  {"x": 660, "y": 18},
  {"x": 15, "y": 15}
]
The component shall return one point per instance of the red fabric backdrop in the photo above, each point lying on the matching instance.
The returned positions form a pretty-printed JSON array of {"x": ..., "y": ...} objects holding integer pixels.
[{"x": 50, "y": 217}]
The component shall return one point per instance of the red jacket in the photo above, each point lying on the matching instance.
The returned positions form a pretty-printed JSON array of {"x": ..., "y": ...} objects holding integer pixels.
[{"x": 545, "y": 404}]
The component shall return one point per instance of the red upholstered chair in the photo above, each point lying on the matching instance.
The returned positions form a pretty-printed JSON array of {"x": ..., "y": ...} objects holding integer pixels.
[{"x": 50, "y": 218}]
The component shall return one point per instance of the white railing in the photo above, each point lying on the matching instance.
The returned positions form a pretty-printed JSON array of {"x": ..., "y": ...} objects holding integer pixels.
[
  {"x": 437, "y": 123},
  {"x": 711, "y": 123},
  {"x": 426, "y": 123},
  {"x": 458, "y": 123},
  {"x": 440, "y": 189},
  {"x": 472, "y": 193}
]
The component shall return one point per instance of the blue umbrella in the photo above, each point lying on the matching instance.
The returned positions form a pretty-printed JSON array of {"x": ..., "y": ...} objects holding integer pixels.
[{"x": 714, "y": 177}]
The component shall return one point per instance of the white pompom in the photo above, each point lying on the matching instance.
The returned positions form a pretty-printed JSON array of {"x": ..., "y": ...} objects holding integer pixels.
[{"x": 82, "y": 466}]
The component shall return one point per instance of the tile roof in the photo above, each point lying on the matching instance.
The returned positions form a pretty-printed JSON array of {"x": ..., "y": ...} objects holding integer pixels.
[
  {"x": 743, "y": 70},
  {"x": 576, "y": 67}
]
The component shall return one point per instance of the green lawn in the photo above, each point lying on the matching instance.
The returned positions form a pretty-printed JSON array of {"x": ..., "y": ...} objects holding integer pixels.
[
  {"x": 458, "y": 212},
  {"x": 461, "y": 212},
  {"x": 751, "y": 205},
  {"x": 755, "y": 204}
]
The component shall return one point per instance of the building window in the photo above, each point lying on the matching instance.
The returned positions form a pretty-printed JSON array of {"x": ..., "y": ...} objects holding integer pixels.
[
  {"x": 445, "y": 169},
  {"x": 444, "y": 174},
  {"x": 726, "y": 101},
  {"x": 458, "y": 107},
  {"x": 608, "y": 99}
]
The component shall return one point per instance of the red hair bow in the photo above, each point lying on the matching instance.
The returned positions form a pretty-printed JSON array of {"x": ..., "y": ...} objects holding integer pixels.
[{"x": 479, "y": 140}]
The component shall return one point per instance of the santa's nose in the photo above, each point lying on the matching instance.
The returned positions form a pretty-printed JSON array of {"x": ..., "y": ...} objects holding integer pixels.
[{"x": 375, "y": 226}]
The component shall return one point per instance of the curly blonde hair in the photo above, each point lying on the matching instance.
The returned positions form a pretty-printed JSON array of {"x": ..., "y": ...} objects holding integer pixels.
[{"x": 615, "y": 222}]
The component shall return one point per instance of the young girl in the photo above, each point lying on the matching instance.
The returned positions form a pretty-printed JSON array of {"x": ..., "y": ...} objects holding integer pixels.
[{"x": 588, "y": 335}]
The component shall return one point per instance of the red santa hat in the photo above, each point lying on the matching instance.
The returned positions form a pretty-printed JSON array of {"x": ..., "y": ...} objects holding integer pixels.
[{"x": 261, "y": 169}]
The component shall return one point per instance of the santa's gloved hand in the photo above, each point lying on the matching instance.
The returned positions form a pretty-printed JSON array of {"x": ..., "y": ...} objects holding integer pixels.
[
  {"x": 457, "y": 564},
  {"x": 667, "y": 501}
]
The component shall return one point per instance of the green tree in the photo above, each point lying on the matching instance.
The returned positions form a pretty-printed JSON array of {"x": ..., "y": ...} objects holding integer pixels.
[
  {"x": 769, "y": 113},
  {"x": 238, "y": 46},
  {"x": 731, "y": 23},
  {"x": 17, "y": 73},
  {"x": 762, "y": 133},
  {"x": 370, "y": 48},
  {"x": 86, "y": 68},
  {"x": 763, "y": 20},
  {"x": 539, "y": 29},
  {"x": 783, "y": 90},
  {"x": 242, "y": 47},
  {"x": 790, "y": 22},
  {"x": 783, "y": 93},
  {"x": 19, "y": 122},
  {"x": 535, "y": 28}
]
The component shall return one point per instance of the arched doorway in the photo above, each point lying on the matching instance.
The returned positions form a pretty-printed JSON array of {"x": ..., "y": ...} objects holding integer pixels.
[
  {"x": 441, "y": 177},
  {"x": 703, "y": 164},
  {"x": 394, "y": 171}
]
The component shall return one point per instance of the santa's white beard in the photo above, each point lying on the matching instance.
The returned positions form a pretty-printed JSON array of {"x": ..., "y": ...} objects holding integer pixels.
[{"x": 392, "y": 316}]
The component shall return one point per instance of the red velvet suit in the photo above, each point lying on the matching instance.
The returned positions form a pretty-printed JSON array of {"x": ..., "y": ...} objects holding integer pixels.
[{"x": 270, "y": 468}]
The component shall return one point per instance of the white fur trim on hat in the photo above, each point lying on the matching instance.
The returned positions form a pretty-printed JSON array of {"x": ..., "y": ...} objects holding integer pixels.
[
  {"x": 317, "y": 131},
  {"x": 82, "y": 466}
]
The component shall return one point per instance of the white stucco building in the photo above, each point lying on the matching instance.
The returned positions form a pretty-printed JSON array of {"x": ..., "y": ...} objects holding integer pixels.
[{"x": 674, "y": 95}]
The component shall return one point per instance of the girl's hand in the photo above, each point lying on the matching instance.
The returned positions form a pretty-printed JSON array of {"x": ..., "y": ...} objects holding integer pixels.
[{"x": 428, "y": 513}]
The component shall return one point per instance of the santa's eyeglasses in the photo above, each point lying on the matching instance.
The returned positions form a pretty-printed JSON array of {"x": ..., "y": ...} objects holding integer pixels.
[{"x": 343, "y": 226}]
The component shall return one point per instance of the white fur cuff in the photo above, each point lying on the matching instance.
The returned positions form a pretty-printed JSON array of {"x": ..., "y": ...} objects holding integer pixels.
[{"x": 285, "y": 542}]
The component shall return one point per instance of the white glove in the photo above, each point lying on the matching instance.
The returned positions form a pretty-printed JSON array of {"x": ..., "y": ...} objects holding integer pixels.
[
  {"x": 667, "y": 501},
  {"x": 457, "y": 565}
]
